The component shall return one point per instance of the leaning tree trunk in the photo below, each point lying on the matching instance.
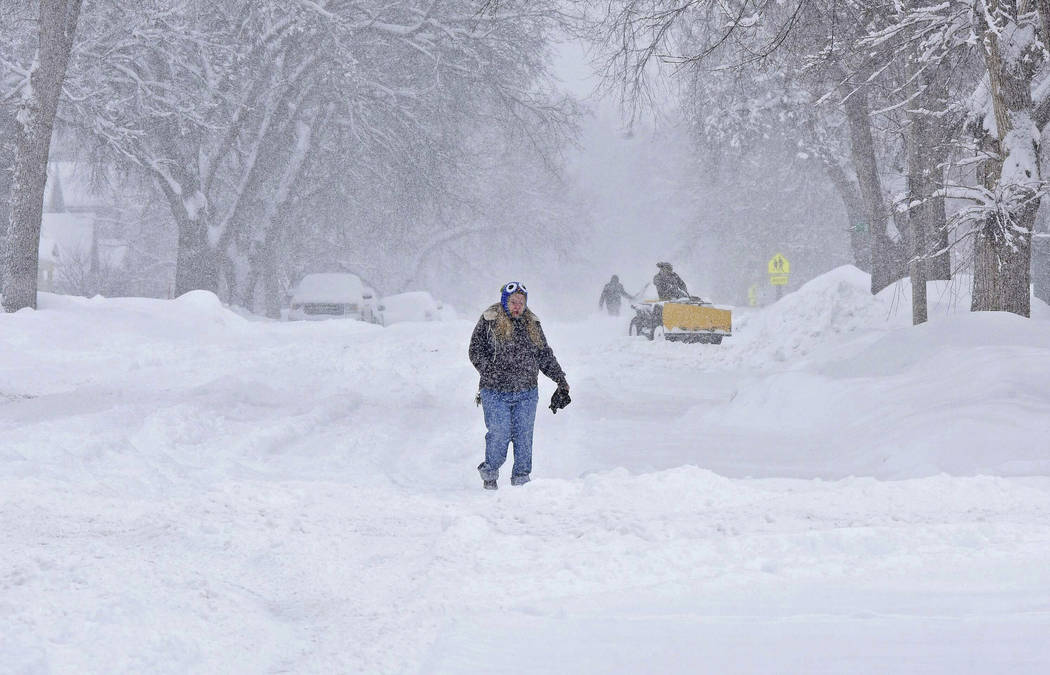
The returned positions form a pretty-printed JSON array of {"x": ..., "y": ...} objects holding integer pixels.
[
  {"x": 859, "y": 240},
  {"x": 887, "y": 255},
  {"x": 849, "y": 193},
  {"x": 58, "y": 22}
]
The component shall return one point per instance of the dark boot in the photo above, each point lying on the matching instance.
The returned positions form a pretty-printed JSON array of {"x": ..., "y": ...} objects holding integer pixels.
[{"x": 490, "y": 485}]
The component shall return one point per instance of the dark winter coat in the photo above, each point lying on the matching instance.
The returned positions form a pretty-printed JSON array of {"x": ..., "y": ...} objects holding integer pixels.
[
  {"x": 611, "y": 295},
  {"x": 509, "y": 353},
  {"x": 669, "y": 286}
]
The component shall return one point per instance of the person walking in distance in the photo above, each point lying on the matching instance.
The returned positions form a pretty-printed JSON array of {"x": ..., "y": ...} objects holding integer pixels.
[
  {"x": 611, "y": 295},
  {"x": 508, "y": 349}
]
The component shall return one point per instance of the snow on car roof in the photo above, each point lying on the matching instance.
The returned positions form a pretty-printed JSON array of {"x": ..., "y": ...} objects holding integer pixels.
[
  {"x": 329, "y": 287},
  {"x": 409, "y": 299}
]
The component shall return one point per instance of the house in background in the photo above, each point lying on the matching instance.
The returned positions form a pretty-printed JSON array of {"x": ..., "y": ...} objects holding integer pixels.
[
  {"x": 46, "y": 266},
  {"x": 81, "y": 234}
]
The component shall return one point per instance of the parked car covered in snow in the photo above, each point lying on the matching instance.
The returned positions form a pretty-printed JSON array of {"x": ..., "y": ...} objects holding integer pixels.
[
  {"x": 329, "y": 295},
  {"x": 371, "y": 306},
  {"x": 411, "y": 306},
  {"x": 446, "y": 312}
]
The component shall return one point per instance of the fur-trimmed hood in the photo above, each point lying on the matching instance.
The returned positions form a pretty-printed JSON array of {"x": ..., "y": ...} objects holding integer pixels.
[
  {"x": 495, "y": 310},
  {"x": 502, "y": 326}
]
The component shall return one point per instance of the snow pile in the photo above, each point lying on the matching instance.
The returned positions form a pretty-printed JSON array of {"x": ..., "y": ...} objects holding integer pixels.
[
  {"x": 825, "y": 309},
  {"x": 963, "y": 395},
  {"x": 867, "y": 393}
]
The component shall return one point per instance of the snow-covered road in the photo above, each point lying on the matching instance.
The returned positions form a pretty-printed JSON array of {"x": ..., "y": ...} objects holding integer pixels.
[{"x": 183, "y": 490}]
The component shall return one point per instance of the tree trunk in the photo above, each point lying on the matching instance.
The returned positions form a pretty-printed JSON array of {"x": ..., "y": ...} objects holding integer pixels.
[
  {"x": 7, "y": 162},
  {"x": 196, "y": 263},
  {"x": 248, "y": 289},
  {"x": 919, "y": 212},
  {"x": 196, "y": 260},
  {"x": 58, "y": 22},
  {"x": 1002, "y": 265},
  {"x": 263, "y": 268},
  {"x": 921, "y": 139},
  {"x": 928, "y": 146},
  {"x": 1003, "y": 244},
  {"x": 939, "y": 263},
  {"x": 271, "y": 286},
  {"x": 938, "y": 260},
  {"x": 5, "y": 209},
  {"x": 887, "y": 255},
  {"x": 278, "y": 205},
  {"x": 1041, "y": 267},
  {"x": 859, "y": 239}
]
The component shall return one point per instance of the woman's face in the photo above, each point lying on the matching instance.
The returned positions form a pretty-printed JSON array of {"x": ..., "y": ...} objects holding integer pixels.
[{"x": 516, "y": 304}]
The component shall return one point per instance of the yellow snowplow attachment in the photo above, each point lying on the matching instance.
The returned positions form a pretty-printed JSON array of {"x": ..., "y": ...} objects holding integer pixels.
[{"x": 680, "y": 317}]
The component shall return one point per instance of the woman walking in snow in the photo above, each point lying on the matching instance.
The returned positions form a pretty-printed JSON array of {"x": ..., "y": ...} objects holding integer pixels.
[{"x": 508, "y": 348}]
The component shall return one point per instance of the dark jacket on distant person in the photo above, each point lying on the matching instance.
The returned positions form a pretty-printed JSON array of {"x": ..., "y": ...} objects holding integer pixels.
[
  {"x": 509, "y": 353},
  {"x": 611, "y": 295},
  {"x": 669, "y": 286}
]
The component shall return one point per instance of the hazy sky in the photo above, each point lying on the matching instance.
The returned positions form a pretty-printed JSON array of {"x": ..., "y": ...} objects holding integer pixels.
[{"x": 627, "y": 176}]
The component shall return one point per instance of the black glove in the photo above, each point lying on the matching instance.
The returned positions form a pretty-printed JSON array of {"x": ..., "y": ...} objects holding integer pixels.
[{"x": 560, "y": 397}]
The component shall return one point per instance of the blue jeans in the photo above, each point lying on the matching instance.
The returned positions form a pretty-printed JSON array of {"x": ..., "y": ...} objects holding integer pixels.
[{"x": 509, "y": 416}]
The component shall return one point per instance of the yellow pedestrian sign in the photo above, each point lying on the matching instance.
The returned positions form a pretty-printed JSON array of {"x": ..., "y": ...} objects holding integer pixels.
[
  {"x": 779, "y": 265},
  {"x": 779, "y": 269}
]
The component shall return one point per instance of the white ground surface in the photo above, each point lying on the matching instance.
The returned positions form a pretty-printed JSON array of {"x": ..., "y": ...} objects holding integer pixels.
[{"x": 830, "y": 490}]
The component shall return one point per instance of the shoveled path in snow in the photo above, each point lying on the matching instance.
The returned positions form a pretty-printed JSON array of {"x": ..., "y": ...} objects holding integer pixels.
[{"x": 184, "y": 491}]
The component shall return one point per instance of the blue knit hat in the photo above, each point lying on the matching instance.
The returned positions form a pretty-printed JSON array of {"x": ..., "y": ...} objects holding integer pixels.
[{"x": 509, "y": 289}]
